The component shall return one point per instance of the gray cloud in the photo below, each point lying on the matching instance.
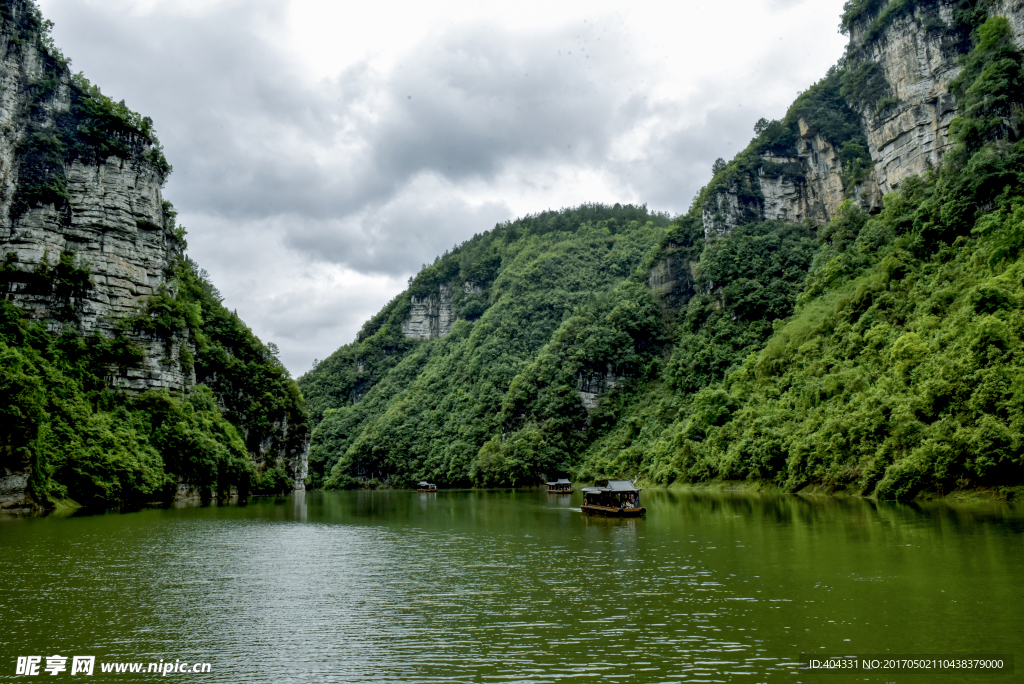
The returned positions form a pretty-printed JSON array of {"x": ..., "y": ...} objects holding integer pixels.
[
  {"x": 398, "y": 236},
  {"x": 249, "y": 138},
  {"x": 378, "y": 171},
  {"x": 474, "y": 98}
]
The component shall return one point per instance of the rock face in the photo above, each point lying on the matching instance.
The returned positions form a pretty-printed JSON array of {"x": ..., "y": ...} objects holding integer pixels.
[
  {"x": 14, "y": 489},
  {"x": 113, "y": 221},
  {"x": 917, "y": 52},
  {"x": 431, "y": 317},
  {"x": 591, "y": 386},
  {"x": 722, "y": 212},
  {"x": 918, "y": 65},
  {"x": 107, "y": 221},
  {"x": 273, "y": 449},
  {"x": 672, "y": 279},
  {"x": 814, "y": 195},
  {"x": 1013, "y": 10},
  {"x": 115, "y": 226}
]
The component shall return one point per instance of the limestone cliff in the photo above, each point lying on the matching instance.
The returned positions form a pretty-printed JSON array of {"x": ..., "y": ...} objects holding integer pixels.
[
  {"x": 917, "y": 55},
  {"x": 900, "y": 61},
  {"x": 89, "y": 247},
  {"x": 918, "y": 52},
  {"x": 431, "y": 317},
  {"x": 103, "y": 211},
  {"x": 590, "y": 386}
]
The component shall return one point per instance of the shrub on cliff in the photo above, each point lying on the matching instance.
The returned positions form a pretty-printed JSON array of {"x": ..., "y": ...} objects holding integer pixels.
[
  {"x": 92, "y": 129},
  {"x": 82, "y": 439},
  {"x": 899, "y": 370}
]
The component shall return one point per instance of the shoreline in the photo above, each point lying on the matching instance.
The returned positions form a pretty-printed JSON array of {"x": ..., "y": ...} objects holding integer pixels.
[
  {"x": 1004, "y": 494},
  {"x": 1012, "y": 495}
]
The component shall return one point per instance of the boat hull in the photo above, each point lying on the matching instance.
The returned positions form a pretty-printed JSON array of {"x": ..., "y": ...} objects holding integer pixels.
[
  {"x": 427, "y": 491},
  {"x": 590, "y": 509},
  {"x": 559, "y": 491}
]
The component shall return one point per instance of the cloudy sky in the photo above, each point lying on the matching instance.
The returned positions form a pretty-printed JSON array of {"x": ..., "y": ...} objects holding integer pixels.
[{"x": 323, "y": 151}]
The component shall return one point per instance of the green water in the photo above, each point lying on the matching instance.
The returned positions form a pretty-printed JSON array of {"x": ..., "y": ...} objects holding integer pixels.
[{"x": 474, "y": 586}]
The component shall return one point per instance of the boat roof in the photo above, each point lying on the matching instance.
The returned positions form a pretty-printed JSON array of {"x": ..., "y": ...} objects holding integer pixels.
[
  {"x": 560, "y": 480},
  {"x": 422, "y": 483},
  {"x": 613, "y": 486}
]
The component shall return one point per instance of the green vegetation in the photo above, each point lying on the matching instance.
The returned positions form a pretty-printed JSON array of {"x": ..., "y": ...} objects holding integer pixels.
[
  {"x": 87, "y": 440},
  {"x": 254, "y": 390},
  {"x": 425, "y": 408},
  {"x": 880, "y": 354},
  {"x": 864, "y": 87},
  {"x": 64, "y": 417},
  {"x": 900, "y": 369}
]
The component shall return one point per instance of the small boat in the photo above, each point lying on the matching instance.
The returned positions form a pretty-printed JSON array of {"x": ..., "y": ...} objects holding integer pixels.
[
  {"x": 560, "y": 486},
  {"x": 426, "y": 488},
  {"x": 612, "y": 497}
]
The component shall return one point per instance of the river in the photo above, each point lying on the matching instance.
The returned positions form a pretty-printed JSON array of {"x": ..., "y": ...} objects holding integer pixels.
[{"x": 503, "y": 586}]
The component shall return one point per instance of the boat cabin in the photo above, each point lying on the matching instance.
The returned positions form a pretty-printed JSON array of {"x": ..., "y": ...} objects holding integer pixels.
[
  {"x": 560, "y": 486},
  {"x": 426, "y": 487},
  {"x": 612, "y": 497}
]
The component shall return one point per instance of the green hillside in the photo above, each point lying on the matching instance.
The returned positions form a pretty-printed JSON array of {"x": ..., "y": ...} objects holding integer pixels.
[
  {"x": 878, "y": 354},
  {"x": 425, "y": 407}
]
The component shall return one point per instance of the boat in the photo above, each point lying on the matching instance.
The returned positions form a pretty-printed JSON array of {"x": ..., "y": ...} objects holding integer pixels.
[
  {"x": 560, "y": 486},
  {"x": 426, "y": 488},
  {"x": 612, "y": 497}
]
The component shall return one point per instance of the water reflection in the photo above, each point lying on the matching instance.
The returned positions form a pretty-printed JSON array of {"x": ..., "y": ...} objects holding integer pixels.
[
  {"x": 470, "y": 586},
  {"x": 299, "y": 506}
]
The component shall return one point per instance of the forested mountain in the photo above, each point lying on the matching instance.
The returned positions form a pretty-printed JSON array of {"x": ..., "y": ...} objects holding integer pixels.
[
  {"x": 842, "y": 306},
  {"x": 123, "y": 378},
  {"x": 396, "y": 406}
]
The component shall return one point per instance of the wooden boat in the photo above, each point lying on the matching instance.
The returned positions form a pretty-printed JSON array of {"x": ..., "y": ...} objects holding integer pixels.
[
  {"x": 560, "y": 486},
  {"x": 427, "y": 488},
  {"x": 612, "y": 497}
]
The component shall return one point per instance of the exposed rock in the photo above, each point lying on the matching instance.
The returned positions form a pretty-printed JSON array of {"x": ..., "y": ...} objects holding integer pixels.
[
  {"x": 14, "y": 489},
  {"x": 591, "y": 385},
  {"x": 672, "y": 279},
  {"x": 918, "y": 59},
  {"x": 918, "y": 64},
  {"x": 431, "y": 317},
  {"x": 814, "y": 195},
  {"x": 274, "y": 449},
  {"x": 721, "y": 213},
  {"x": 1013, "y": 10},
  {"x": 114, "y": 221}
]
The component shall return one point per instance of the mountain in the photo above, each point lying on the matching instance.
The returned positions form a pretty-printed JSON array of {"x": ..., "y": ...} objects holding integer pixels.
[
  {"x": 841, "y": 307},
  {"x": 123, "y": 378}
]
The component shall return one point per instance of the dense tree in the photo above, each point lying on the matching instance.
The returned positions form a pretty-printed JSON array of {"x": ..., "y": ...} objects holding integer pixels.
[{"x": 880, "y": 354}]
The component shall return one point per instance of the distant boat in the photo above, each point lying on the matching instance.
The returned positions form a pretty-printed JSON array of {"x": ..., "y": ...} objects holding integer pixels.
[
  {"x": 561, "y": 486},
  {"x": 614, "y": 497},
  {"x": 427, "y": 488}
]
